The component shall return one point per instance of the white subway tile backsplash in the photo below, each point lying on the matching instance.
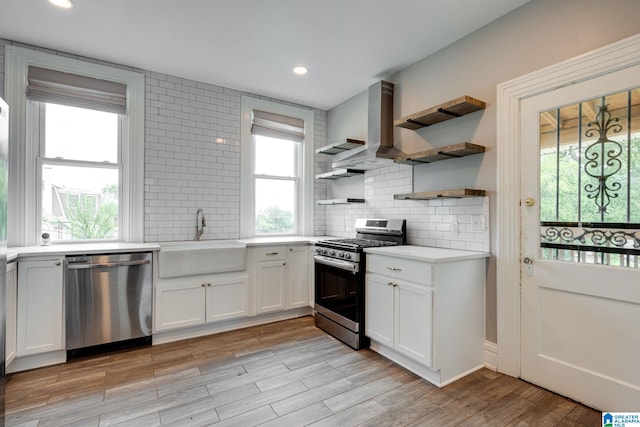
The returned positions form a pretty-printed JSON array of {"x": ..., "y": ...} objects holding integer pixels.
[
  {"x": 429, "y": 222},
  {"x": 192, "y": 159}
]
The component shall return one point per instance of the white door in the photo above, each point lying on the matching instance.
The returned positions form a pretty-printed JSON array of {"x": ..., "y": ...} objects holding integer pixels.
[{"x": 580, "y": 284}]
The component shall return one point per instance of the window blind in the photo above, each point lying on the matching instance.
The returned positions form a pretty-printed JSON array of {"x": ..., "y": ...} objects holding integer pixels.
[
  {"x": 74, "y": 90},
  {"x": 277, "y": 126}
]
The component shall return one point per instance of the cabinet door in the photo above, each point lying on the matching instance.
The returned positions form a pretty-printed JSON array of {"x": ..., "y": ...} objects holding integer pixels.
[
  {"x": 40, "y": 317},
  {"x": 12, "y": 289},
  {"x": 413, "y": 321},
  {"x": 379, "y": 295},
  {"x": 298, "y": 277},
  {"x": 180, "y": 306},
  {"x": 270, "y": 286},
  {"x": 227, "y": 299}
]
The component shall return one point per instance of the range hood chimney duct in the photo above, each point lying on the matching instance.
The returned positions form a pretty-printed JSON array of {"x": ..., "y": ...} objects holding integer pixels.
[{"x": 379, "y": 150}]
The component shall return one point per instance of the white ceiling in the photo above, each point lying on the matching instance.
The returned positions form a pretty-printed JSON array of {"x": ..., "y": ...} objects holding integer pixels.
[{"x": 252, "y": 45}]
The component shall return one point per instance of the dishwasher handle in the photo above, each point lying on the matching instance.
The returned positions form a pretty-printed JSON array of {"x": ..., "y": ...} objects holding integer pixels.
[{"x": 79, "y": 265}]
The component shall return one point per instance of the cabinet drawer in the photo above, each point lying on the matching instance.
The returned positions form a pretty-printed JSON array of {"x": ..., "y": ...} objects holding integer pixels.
[
  {"x": 271, "y": 253},
  {"x": 403, "y": 269}
]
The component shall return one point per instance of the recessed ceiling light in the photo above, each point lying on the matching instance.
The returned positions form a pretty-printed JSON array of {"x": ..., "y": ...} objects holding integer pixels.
[
  {"x": 65, "y": 4},
  {"x": 300, "y": 70}
]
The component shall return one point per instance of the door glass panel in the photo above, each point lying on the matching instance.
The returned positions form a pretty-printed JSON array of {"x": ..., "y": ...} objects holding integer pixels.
[{"x": 589, "y": 167}]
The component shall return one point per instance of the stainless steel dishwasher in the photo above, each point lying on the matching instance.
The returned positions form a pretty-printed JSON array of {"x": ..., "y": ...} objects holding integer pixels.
[{"x": 107, "y": 302}]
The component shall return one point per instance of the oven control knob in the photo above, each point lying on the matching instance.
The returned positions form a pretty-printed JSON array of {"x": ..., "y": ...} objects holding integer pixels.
[
  {"x": 324, "y": 251},
  {"x": 332, "y": 253},
  {"x": 346, "y": 255},
  {"x": 340, "y": 254}
]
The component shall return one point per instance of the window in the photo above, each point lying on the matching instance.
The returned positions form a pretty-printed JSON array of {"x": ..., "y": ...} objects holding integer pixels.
[
  {"x": 78, "y": 161},
  {"x": 78, "y": 147},
  {"x": 276, "y": 169}
]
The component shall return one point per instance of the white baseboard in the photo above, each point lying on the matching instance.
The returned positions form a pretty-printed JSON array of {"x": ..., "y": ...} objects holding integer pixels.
[{"x": 491, "y": 355}]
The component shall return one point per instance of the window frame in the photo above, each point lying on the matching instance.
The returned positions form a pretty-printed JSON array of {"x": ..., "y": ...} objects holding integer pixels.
[
  {"x": 296, "y": 179},
  {"x": 23, "y": 153},
  {"x": 304, "y": 194}
]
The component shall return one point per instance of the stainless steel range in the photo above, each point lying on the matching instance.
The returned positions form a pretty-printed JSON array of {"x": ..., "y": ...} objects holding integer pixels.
[{"x": 339, "y": 277}]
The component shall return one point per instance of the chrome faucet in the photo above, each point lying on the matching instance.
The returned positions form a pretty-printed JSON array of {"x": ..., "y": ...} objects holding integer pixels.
[{"x": 200, "y": 224}]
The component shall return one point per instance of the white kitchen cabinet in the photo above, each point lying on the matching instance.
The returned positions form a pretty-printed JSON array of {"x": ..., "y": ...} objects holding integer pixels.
[
  {"x": 298, "y": 276},
  {"x": 379, "y": 309},
  {"x": 270, "y": 286},
  {"x": 195, "y": 300},
  {"x": 398, "y": 315},
  {"x": 413, "y": 331},
  {"x": 40, "y": 319},
  {"x": 179, "y": 305},
  {"x": 11, "y": 321},
  {"x": 281, "y": 278},
  {"x": 425, "y": 309},
  {"x": 227, "y": 298}
]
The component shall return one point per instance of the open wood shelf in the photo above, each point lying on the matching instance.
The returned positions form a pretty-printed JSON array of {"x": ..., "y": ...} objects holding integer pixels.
[
  {"x": 339, "y": 173},
  {"x": 442, "y": 153},
  {"x": 451, "y": 194},
  {"x": 439, "y": 113},
  {"x": 340, "y": 146},
  {"x": 339, "y": 201}
]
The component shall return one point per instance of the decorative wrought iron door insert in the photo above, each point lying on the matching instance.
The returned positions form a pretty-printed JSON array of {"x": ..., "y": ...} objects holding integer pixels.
[{"x": 590, "y": 181}]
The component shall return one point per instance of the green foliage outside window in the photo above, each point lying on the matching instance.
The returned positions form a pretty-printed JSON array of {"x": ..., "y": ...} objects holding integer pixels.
[
  {"x": 274, "y": 220},
  {"x": 563, "y": 175}
]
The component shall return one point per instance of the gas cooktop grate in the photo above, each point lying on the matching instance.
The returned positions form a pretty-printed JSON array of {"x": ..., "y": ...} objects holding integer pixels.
[{"x": 357, "y": 243}]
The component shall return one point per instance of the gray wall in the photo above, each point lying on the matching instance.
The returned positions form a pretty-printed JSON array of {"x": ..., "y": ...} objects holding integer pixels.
[{"x": 539, "y": 34}]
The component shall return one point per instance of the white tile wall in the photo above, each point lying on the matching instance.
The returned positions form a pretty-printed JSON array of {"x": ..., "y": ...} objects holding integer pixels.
[
  {"x": 319, "y": 166},
  {"x": 444, "y": 223},
  {"x": 192, "y": 156}
]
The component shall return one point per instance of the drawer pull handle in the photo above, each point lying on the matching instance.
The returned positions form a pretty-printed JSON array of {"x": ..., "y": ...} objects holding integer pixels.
[
  {"x": 271, "y": 253},
  {"x": 394, "y": 284},
  {"x": 394, "y": 269}
]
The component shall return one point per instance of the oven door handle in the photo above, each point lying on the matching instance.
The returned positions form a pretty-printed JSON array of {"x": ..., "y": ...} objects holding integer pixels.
[{"x": 343, "y": 265}]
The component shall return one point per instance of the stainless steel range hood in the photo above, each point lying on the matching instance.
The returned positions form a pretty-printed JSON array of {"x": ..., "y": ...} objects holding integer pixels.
[{"x": 379, "y": 150}]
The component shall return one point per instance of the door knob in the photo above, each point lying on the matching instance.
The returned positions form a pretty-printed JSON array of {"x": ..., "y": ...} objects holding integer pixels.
[
  {"x": 527, "y": 260},
  {"x": 529, "y": 202}
]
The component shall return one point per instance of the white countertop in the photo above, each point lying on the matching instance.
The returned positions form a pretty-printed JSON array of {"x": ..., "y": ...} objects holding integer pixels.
[
  {"x": 283, "y": 240},
  {"x": 427, "y": 254},
  {"x": 79, "y": 248},
  {"x": 114, "y": 247}
]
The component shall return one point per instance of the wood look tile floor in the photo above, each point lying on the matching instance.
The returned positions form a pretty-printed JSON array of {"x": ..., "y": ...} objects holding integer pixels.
[{"x": 282, "y": 374}]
